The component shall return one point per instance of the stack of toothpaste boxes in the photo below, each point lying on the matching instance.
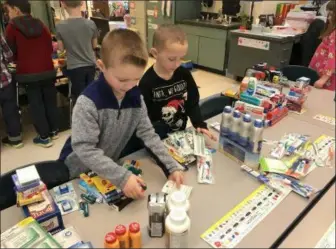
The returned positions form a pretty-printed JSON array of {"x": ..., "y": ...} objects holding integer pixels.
[
  {"x": 97, "y": 189},
  {"x": 35, "y": 200},
  {"x": 241, "y": 137}
]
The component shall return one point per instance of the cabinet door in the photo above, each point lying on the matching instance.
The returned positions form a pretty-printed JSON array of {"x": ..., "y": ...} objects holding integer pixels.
[
  {"x": 211, "y": 53},
  {"x": 193, "y": 43}
]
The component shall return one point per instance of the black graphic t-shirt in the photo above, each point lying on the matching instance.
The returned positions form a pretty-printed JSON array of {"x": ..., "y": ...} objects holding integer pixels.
[{"x": 172, "y": 101}]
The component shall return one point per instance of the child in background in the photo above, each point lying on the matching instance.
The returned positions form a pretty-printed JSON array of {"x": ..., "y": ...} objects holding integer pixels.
[
  {"x": 323, "y": 60},
  {"x": 8, "y": 103},
  {"x": 169, "y": 90},
  {"x": 30, "y": 41},
  {"x": 78, "y": 36},
  {"x": 109, "y": 111}
]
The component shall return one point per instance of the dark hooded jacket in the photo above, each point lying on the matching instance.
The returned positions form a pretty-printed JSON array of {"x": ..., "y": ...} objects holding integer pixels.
[{"x": 31, "y": 43}]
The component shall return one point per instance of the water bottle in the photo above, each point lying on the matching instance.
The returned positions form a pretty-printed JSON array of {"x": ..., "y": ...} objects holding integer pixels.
[
  {"x": 245, "y": 130},
  {"x": 226, "y": 120},
  {"x": 257, "y": 135},
  {"x": 235, "y": 126}
]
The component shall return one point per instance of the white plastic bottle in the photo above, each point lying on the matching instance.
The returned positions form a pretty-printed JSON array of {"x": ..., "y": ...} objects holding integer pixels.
[
  {"x": 245, "y": 130},
  {"x": 235, "y": 126},
  {"x": 226, "y": 120},
  {"x": 257, "y": 135},
  {"x": 177, "y": 228},
  {"x": 178, "y": 199}
]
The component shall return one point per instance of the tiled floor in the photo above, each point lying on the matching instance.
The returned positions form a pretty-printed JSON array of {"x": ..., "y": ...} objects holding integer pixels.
[{"x": 209, "y": 84}]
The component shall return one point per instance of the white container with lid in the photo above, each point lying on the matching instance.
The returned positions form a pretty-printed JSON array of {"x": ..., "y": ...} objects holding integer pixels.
[
  {"x": 177, "y": 229},
  {"x": 178, "y": 199}
]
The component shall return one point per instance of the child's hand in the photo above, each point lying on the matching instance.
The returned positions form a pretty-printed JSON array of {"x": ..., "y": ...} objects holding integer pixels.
[
  {"x": 177, "y": 177},
  {"x": 319, "y": 84},
  {"x": 207, "y": 132},
  {"x": 133, "y": 187}
]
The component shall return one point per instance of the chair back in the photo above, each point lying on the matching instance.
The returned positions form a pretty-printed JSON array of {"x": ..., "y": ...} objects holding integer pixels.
[
  {"x": 214, "y": 105},
  {"x": 293, "y": 72}
]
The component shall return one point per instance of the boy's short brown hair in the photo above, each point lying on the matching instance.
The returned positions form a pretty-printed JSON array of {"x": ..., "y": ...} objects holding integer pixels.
[
  {"x": 72, "y": 3},
  {"x": 168, "y": 33},
  {"x": 123, "y": 46}
]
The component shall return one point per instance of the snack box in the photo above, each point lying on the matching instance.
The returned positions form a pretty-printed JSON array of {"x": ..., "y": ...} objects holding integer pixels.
[
  {"x": 28, "y": 234},
  {"x": 46, "y": 213}
]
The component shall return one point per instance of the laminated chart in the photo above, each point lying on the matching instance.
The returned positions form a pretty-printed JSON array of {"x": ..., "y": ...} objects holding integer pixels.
[
  {"x": 236, "y": 224},
  {"x": 328, "y": 239}
]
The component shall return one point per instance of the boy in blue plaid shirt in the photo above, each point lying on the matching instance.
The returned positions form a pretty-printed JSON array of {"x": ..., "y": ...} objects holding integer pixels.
[{"x": 8, "y": 103}]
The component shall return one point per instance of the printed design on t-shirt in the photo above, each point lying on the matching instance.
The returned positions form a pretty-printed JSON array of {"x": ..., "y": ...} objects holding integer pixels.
[{"x": 173, "y": 113}]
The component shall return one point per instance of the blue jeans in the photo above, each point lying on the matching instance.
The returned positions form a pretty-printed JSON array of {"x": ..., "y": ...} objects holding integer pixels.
[{"x": 80, "y": 78}]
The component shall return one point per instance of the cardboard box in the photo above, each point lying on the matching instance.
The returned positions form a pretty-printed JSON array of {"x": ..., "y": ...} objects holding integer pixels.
[
  {"x": 46, "y": 213},
  {"x": 27, "y": 234},
  {"x": 238, "y": 153}
]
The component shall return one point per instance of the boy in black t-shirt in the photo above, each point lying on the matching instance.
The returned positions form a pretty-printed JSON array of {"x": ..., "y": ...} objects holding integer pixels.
[{"x": 169, "y": 90}]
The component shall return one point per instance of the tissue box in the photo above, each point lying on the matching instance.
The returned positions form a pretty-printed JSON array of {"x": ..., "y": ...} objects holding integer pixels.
[
  {"x": 46, "y": 213},
  {"x": 238, "y": 153}
]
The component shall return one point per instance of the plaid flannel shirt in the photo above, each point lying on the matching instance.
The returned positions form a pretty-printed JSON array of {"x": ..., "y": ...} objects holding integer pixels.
[{"x": 6, "y": 57}]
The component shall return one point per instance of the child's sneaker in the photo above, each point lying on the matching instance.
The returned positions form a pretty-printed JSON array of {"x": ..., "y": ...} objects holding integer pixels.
[
  {"x": 14, "y": 144},
  {"x": 54, "y": 135},
  {"x": 43, "y": 142}
]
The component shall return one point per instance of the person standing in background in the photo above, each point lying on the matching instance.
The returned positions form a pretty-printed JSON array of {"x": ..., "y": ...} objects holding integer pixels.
[
  {"x": 30, "y": 41},
  {"x": 8, "y": 104},
  {"x": 78, "y": 36},
  {"x": 323, "y": 60}
]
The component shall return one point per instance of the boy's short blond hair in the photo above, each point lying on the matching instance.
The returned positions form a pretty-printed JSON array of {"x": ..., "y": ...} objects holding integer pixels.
[
  {"x": 72, "y": 3},
  {"x": 168, "y": 33},
  {"x": 123, "y": 46}
]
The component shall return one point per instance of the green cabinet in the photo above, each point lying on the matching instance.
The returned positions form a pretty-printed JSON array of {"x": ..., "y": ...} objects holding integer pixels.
[
  {"x": 211, "y": 53},
  {"x": 207, "y": 46},
  {"x": 193, "y": 45}
]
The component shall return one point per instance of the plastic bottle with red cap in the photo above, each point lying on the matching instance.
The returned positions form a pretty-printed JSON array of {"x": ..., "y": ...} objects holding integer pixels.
[
  {"x": 111, "y": 241},
  {"x": 135, "y": 235},
  {"x": 122, "y": 235}
]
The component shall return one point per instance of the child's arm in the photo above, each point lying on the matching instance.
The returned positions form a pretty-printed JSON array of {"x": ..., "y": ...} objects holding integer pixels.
[
  {"x": 60, "y": 44},
  {"x": 85, "y": 137},
  {"x": 11, "y": 40},
  {"x": 192, "y": 105},
  {"x": 146, "y": 133},
  {"x": 7, "y": 52}
]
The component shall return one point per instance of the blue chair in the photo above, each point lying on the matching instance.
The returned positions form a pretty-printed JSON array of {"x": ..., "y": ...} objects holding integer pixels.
[
  {"x": 293, "y": 72},
  {"x": 214, "y": 105}
]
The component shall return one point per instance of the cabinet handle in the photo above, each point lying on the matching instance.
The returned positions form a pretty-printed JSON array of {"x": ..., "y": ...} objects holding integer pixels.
[
  {"x": 285, "y": 49},
  {"x": 283, "y": 62}
]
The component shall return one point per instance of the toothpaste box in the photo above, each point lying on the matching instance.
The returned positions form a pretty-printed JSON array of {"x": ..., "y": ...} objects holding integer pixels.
[
  {"x": 46, "y": 213},
  {"x": 28, "y": 234}
]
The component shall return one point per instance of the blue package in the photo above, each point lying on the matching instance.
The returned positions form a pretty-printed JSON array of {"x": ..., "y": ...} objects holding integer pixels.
[{"x": 82, "y": 245}]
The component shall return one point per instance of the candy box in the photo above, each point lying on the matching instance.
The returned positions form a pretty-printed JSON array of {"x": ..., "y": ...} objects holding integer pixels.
[{"x": 46, "y": 213}]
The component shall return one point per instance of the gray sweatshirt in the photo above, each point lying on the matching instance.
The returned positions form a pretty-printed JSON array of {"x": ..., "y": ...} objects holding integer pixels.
[{"x": 101, "y": 129}]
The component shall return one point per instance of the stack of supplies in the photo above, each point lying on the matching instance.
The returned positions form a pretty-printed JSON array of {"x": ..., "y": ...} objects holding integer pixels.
[
  {"x": 189, "y": 146},
  {"x": 28, "y": 234},
  {"x": 96, "y": 189},
  {"x": 298, "y": 94},
  {"x": 28, "y": 186},
  {"x": 294, "y": 157}
]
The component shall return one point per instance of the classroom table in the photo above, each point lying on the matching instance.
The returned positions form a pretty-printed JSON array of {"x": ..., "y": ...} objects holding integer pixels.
[
  {"x": 208, "y": 202},
  {"x": 314, "y": 225},
  {"x": 318, "y": 102}
]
